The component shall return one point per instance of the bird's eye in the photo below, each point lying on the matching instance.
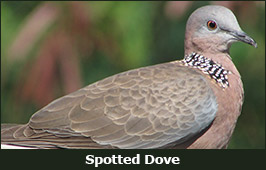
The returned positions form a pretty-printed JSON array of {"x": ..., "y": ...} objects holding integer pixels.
[{"x": 211, "y": 25}]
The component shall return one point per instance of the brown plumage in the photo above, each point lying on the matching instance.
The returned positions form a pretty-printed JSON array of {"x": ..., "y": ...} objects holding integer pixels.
[{"x": 193, "y": 103}]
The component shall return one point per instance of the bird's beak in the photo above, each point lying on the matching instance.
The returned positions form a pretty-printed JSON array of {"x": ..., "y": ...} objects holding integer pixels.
[{"x": 242, "y": 36}]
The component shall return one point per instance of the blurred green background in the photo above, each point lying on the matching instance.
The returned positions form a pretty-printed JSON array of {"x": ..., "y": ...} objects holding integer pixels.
[{"x": 49, "y": 49}]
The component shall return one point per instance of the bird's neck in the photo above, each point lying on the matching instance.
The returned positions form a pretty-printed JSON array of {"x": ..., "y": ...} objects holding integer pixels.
[
  {"x": 212, "y": 45},
  {"x": 218, "y": 66},
  {"x": 209, "y": 67},
  {"x": 219, "y": 57}
]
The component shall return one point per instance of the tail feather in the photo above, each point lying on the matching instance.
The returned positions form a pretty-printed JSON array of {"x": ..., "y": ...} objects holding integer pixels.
[
  {"x": 14, "y": 134},
  {"x": 7, "y": 131}
]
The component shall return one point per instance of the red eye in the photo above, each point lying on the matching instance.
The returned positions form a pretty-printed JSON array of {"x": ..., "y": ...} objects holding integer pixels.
[{"x": 211, "y": 25}]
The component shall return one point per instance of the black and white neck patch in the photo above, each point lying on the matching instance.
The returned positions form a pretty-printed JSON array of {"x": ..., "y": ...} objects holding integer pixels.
[{"x": 208, "y": 66}]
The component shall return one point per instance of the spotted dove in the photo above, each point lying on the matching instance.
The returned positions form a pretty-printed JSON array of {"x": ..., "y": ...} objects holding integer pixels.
[{"x": 192, "y": 103}]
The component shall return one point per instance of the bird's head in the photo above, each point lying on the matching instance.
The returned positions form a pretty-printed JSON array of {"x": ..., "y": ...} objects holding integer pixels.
[{"x": 213, "y": 29}]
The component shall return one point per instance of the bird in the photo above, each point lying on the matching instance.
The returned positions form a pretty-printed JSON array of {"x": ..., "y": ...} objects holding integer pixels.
[{"x": 193, "y": 103}]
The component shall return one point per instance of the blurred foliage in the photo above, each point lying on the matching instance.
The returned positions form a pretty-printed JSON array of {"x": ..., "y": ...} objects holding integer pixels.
[{"x": 49, "y": 49}]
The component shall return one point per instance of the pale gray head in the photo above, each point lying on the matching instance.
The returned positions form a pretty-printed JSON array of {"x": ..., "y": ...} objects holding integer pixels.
[{"x": 213, "y": 28}]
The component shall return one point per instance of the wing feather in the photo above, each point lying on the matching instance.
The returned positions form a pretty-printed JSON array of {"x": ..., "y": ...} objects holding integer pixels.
[{"x": 144, "y": 108}]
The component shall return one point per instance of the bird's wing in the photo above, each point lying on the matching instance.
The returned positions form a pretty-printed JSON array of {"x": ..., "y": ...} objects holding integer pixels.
[{"x": 143, "y": 108}]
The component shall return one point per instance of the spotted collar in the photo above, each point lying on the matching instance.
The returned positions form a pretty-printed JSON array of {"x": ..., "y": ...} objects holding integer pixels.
[{"x": 208, "y": 66}]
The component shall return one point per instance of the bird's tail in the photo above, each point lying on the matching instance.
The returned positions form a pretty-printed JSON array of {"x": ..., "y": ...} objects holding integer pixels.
[
  {"x": 15, "y": 136},
  {"x": 9, "y": 141},
  {"x": 7, "y": 131}
]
